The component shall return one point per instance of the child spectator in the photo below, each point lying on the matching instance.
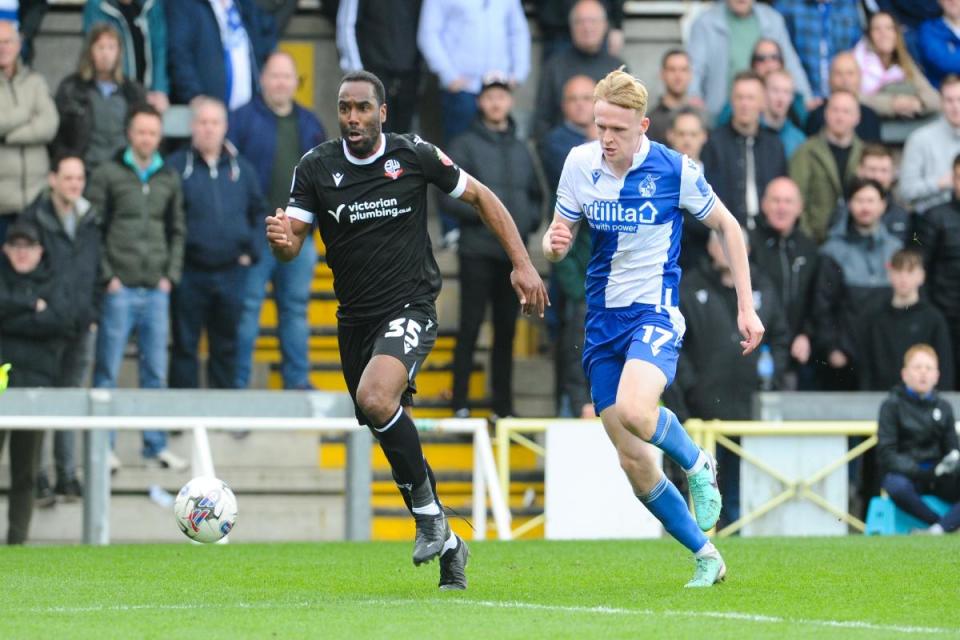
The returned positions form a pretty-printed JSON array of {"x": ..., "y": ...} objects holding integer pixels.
[
  {"x": 918, "y": 443},
  {"x": 904, "y": 321}
]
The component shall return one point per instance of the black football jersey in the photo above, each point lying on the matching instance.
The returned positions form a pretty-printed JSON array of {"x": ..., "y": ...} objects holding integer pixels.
[{"x": 372, "y": 216}]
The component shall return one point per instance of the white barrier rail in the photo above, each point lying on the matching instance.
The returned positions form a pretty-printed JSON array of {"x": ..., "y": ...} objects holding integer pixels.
[{"x": 97, "y": 475}]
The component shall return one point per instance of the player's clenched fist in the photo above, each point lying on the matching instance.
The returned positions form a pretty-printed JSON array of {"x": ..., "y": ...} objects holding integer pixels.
[
  {"x": 278, "y": 230},
  {"x": 556, "y": 241}
]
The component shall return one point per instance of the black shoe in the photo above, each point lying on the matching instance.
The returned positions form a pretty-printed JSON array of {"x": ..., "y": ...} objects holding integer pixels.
[
  {"x": 453, "y": 565},
  {"x": 70, "y": 491},
  {"x": 432, "y": 532},
  {"x": 44, "y": 496}
]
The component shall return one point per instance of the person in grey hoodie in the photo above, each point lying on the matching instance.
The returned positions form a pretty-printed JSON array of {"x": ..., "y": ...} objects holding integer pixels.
[
  {"x": 491, "y": 152},
  {"x": 926, "y": 176}
]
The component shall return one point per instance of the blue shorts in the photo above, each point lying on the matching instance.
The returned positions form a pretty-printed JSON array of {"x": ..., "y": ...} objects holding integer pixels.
[{"x": 643, "y": 331}]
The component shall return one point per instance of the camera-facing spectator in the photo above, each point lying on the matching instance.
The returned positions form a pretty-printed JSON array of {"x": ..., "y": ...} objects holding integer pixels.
[
  {"x": 845, "y": 76},
  {"x": 926, "y": 176},
  {"x": 375, "y": 35},
  {"x": 938, "y": 238},
  {"x": 688, "y": 135},
  {"x": 675, "y": 75},
  {"x": 224, "y": 213},
  {"x": 741, "y": 158},
  {"x": 901, "y": 322},
  {"x": 141, "y": 204},
  {"x": 891, "y": 82},
  {"x": 790, "y": 259},
  {"x": 553, "y": 17},
  {"x": 852, "y": 279},
  {"x": 721, "y": 44},
  {"x": 876, "y": 163},
  {"x": 94, "y": 101},
  {"x": 776, "y": 113},
  {"x": 69, "y": 231},
  {"x": 577, "y": 127},
  {"x": 142, "y": 27},
  {"x": 217, "y": 48},
  {"x": 27, "y": 124},
  {"x": 825, "y": 164},
  {"x": 34, "y": 315},
  {"x": 491, "y": 151},
  {"x": 587, "y": 57},
  {"x": 273, "y": 132},
  {"x": 917, "y": 443}
]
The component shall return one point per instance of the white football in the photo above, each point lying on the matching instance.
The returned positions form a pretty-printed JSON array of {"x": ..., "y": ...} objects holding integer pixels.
[{"x": 206, "y": 509}]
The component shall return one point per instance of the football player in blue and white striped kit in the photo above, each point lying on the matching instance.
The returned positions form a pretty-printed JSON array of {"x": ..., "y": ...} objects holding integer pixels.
[{"x": 631, "y": 193}]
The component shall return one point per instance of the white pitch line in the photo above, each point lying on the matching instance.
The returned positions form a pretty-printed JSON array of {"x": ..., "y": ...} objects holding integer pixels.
[{"x": 495, "y": 604}]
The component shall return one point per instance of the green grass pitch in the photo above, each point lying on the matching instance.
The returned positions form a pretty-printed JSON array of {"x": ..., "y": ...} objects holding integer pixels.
[{"x": 776, "y": 588}]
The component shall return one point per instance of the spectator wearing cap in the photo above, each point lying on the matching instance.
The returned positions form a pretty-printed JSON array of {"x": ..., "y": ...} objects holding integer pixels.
[
  {"x": 93, "y": 102},
  {"x": 35, "y": 314},
  {"x": 224, "y": 211},
  {"x": 587, "y": 57},
  {"x": 28, "y": 122},
  {"x": 491, "y": 151},
  {"x": 675, "y": 76},
  {"x": 141, "y": 204},
  {"x": 70, "y": 233},
  {"x": 375, "y": 35},
  {"x": 273, "y": 132},
  {"x": 464, "y": 41},
  {"x": 142, "y": 33}
]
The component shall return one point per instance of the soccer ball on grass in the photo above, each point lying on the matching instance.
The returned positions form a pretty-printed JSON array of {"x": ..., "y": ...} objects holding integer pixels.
[{"x": 206, "y": 509}]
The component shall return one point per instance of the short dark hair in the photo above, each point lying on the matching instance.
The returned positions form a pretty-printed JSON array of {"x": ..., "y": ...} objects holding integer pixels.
[
  {"x": 859, "y": 184},
  {"x": 875, "y": 150},
  {"x": 949, "y": 79},
  {"x": 673, "y": 52},
  {"x": 745, "y": 75},
  {"x": 906, "y": 260},
  {"x": 142, "y": 110},
  {"x": 366, "y": 76},
  {"x": 687, "y": 110},
  {"x": 60, "y": 156}
]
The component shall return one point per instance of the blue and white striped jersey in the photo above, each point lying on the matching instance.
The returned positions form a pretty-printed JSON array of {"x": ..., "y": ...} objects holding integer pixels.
[{"x": 635, "y": 222}]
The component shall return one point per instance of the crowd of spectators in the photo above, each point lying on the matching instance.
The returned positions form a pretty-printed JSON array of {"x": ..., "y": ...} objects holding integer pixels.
[{"x": 856, "y": 256}]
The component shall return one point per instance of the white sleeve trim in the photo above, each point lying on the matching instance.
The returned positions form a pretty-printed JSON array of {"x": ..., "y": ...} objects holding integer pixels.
[
  {"x": 300, "y": 214},
  {"x": 461, "y": 185}
]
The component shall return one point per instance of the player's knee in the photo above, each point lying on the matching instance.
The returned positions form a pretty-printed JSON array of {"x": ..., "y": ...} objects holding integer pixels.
[
  {"x": 636, "y": 464},
  {"x": 639, "y": 420},
  {"x": 376, "y": 402}
]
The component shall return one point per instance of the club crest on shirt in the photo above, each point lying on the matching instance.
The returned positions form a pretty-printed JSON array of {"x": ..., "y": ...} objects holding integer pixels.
[
  {"x": 937, "y": 414},
  {"x": 648, "y": 186},
  {"x": 392, "y": 169},
  {"x": 702, "y": 296}
]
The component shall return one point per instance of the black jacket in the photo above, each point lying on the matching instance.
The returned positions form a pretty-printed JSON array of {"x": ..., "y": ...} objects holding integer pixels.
[
  {"x": 714, "y": 379},
  {"x": 76, "y": 113},
  {"x": 890, "y": 332},
  {"x": 913, "y": 430},
  {"x": 725, "y": 167},
  {"x": 868, "y": 130},
  {"x": 938, "y": 234},
  {"x": 554, "y": 74},
  {"x": 791, "y": 263},
  {"x": 32, "y": 341},
  {"x": 76, "y": 259},
  {"x": 504, "y": 163}
]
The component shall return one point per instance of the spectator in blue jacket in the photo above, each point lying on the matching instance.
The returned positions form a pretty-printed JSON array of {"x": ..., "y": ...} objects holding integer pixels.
[
  {"x": 142, "y": 26},
  {"x": 939, "y": 43},
  {"x": 273, "y": 131},
  {"x": 224, "y": 209},
  {"x": 219, "y": 45}
]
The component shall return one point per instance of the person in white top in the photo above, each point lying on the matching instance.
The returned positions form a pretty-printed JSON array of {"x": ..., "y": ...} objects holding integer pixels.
[{"x": 631, "y": 193}]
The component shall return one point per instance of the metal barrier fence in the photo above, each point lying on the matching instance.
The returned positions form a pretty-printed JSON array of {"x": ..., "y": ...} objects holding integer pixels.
[{"x": 96, "y": 430}]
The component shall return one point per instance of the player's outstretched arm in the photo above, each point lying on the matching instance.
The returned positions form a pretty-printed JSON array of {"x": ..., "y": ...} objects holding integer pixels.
[
  {"x": 285, "y": 235},
  {"x": 525, "y": 279},
  {"x": 558, "y": 238},
  {"x": 731, "y": 237}
]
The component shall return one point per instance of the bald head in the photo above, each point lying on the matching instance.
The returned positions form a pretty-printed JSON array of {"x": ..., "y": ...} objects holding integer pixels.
[
  {"x": 845, "y": 73},
  {"x": 578, "y": 101},
  {"x": 782, "y": 205},
  {"x": 588, "y": 26},
  {"x": 279, "y": 81},
  {"x": 9, "y": 47}
]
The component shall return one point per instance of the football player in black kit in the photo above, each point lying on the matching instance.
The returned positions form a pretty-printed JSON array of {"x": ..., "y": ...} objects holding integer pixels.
[{"x": 367, "y": 193}]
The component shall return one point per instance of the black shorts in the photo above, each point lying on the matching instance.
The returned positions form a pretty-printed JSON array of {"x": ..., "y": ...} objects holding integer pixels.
[{"x": 408, "y": 335}]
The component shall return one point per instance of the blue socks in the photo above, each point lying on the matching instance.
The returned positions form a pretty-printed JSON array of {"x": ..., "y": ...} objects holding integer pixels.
[
  {"x": 673, "y": 440},
  {"x": 665, "y": 502}
]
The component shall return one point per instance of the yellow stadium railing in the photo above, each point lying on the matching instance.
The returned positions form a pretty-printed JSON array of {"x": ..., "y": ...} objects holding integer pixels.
[{"x": 709, "y": 434}]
